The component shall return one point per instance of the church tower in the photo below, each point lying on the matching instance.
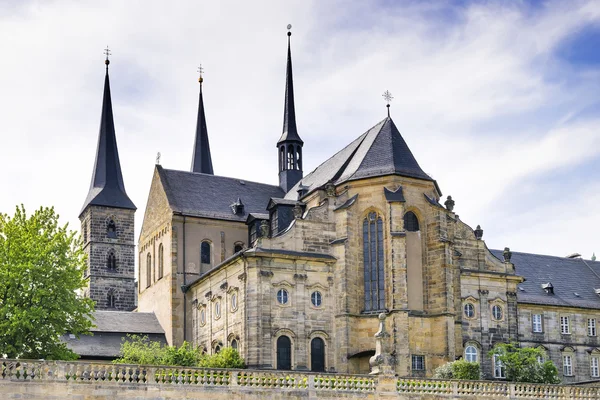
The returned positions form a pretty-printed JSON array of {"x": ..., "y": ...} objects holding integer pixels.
[
  {"x": 201, "y": 160},
  {"x": 107, "y": 219},
  {"x": 289, "y": 145}
]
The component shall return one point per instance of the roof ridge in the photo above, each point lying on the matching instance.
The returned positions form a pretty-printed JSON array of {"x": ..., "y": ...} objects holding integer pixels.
[
  {"x": 220, "y": 176},
  {"x": 548, "y": 255}
]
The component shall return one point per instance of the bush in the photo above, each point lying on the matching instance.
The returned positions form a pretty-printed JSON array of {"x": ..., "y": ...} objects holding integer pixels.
[
  {"x": 140, "y": 350},
  {"x": 459, "y": 369}
]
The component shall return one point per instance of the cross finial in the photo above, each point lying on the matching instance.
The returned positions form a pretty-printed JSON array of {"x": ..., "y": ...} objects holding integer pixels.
[
  {"x": 289, "y": 28},
  {"x": 200, "y": 72},
  {"x": 107, "y": 53},
  {"x": 158, "y": 158},
  {"x": 387, "y": 96}
]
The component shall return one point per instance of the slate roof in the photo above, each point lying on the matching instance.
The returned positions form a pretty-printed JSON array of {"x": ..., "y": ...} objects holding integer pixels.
[
  {"x": 568, "y": 275},
  {"x": 379, "y": 151},
  {"x": 290, "y": 132},
  {"x": 211, "y": 196},
  {"x": 201, "y": 159},
  {"x": 126, "y": 322},
  {"x": 107, "y": 187}
]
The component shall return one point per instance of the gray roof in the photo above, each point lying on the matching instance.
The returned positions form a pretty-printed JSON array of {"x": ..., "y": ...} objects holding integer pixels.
[
  {"x": 290, "y": 132},
  {"x": 567, "y": 275},
  {"x": 107, "y": 187},
  {"x": 379, "y": 151},
  {"x": 211, "y": 196},
  {"x": 126, "y": 322},
  {"x": 102, "y": 345},
  {"x": 201, "y": 159}
]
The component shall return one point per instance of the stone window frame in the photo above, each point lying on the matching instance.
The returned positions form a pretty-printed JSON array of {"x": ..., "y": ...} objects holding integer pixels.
[
  {"x": 592, "y": 327},
  {"x": 380, "y": 249},
  {"x": 210, "y": 252},
  {"x": 148, "y": 270},
  {"x": 202, "y": 314},
  {"x": 288, "y": 287},
  {"x": 476, "y": 346},
  {"x": 161, "y": 261},
  {"x": 111, "y": 298},
  {"x": 414, "y": 362},
  {"x": 541, "y": 324},
  {"x": 568, "y": 354},
  {"x": 292, "y": 336},
  {"x": 565, "y": 324},
  {"x": 111, "y": 222},
  {"x": 317, "y": 287},
  {"x": 233, "y": 292},
  {"x": 111, "y": 260},
  {"x": 234, "y": 337},
  {"x": 502, "y": 305},
  {"x": 594, "y": 363},
  {"x": 217, "y": 307},
  {"x": 216, "y": 346},
  {"x": 475, "y": 303},
  {"x": 326, "y": 341}
]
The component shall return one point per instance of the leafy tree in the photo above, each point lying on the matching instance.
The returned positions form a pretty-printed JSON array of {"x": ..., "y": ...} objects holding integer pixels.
[
  {"x": 522, "y": 363},
  {"x": 42, "y": 267},
  {"x": 140, "y": 350},
  {"x": 460, "y": 369}
]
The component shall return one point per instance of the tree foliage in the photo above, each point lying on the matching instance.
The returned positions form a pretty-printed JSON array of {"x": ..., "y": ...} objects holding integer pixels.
[
  {"x": 522, "y": 363},
  {"x": 460, "y": 369},
  {"x": 42, "y": 267},
  {"x": 140, "y": 350}
]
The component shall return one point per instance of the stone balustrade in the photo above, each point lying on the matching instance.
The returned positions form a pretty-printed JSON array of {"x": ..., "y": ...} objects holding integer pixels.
[{"x": 294, "y": 383}]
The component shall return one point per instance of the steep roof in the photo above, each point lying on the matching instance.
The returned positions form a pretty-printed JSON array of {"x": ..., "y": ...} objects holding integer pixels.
[
  {"x": 107, "y": 187},
  {"x": 290, "y": 132},
  {"x": 201, "y": 159},
  {"x": 379, "y": 151},
  {"x": 568, "y": 276},
  {"x": 211, "y": 196}
]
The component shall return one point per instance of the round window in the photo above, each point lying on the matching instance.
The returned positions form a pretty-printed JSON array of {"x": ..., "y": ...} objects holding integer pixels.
[
  {"x": 497, "y": 312},
  {"x": 316, "y": 299},
  {"x": 217, "y": 309},
  {"x": 234, "y": 301},
  {"x": 282, "y": 296},
  {"x": 469, "y": 310}
]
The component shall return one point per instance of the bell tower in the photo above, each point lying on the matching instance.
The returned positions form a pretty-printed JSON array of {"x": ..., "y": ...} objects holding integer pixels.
[
  {"x": 290, "y": 144},
  {"x": 107, "y": 222}
]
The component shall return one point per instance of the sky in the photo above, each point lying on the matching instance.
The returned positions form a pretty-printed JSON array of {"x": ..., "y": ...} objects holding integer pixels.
[{"x": 499, "y": 101}]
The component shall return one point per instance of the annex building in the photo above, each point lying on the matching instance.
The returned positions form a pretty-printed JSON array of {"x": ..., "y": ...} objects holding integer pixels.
[{"x": 295, "y": 275}]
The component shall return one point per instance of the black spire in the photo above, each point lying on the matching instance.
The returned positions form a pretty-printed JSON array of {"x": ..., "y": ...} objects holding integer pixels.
[
  {"x": 289, "y": 145},
  {"x": 107, "y": 187},
  {"x": 201, "y": 160},
  {"x": 290, "y": 132}
]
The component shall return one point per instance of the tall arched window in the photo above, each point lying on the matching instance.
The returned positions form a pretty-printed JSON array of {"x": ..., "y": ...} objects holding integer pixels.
[
  {"x": 411, "y": 222},
  {"x": 148, "y": 270},
  {"x": 110, "y": 300},
  {"x": 284, "y": 353},
  {"x": 111, "y": 229},
  {"x": 373, "y": 262},
  {"x": 317, "y": 355},
  {"x": 205, "y": 253},
  {"x": 111, "y": 261},
  {"x": 161, "y": 260}
]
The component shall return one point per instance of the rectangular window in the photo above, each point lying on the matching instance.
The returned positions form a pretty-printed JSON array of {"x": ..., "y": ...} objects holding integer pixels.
[
  {"x": 499, "y": 368},
  {"x": 591, "y": 326},
  {"x": 537, "y": 323},
  {"x": 567, "y": 366},
  {"x": 418, "y": 363},
  {"x": 594, "y": 371},
  {"x": 565, "y": 328}
]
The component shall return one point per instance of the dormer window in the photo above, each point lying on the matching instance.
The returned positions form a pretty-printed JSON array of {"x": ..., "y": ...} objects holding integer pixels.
[
  {"x": 238, "y": 207},
  {"x": 548, "y": 288},
  {"x": 111, "y": 229}
]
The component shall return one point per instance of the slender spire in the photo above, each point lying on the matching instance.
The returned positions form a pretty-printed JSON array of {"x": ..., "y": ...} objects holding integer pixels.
[
  {"x": 107, "y": 187},
  {"x": 290, "y": 132},
  {"x": 387, "y": 96},
  {"x": 201, "y": 160}
]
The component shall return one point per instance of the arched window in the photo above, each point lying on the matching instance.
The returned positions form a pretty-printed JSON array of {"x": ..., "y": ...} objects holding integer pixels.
[
  {"x": 373, "y": 263},
  {"x": 111, "y": 229},
  {"x": 284, "y": 353},
  {"x": 238, "y": 247},
  {"x": 217, "y": 349},
  {"x": 111, "y": 261},
  {"x": 299, "y": 158},
  {"x": 411, "y": 222},
  {"x": 110, "y": 298},
  {"x": 471, "y": 353},
  {"x": 148, "y": 270},
  {"x": 161, "y": 261},
  {"x": 317, "y": 355},
  {"x": 282, "y": 158},
  {"x": 205, "y": 253},
  {"x": 290, "y": 158},
  {"x": 234, "y": 344}
]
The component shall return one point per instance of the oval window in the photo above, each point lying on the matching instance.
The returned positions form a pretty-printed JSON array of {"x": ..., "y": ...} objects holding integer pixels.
[
  {"x": 469, "y": 310},
  {"x": 497, "y": 312},
  {"x": 316, "y": 299},
  {"x": 234, "y": 302},
  {"x": 218, "y": 309},
  {"x": 282, "y": 296}
]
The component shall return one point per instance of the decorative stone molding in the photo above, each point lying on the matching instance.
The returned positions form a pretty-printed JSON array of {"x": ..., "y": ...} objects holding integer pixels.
[
  {"x": 330, "y": 189},
  {"x": 266, "y": 274},
  {"x": 242, "y": 277},
  {"x": 300, "y": 277},
  {"x": 208, "y": 294},
  {"x": 511, "y": 294},
  {"x": 483, "y": 292},
  {"x": 382, "y": 362},
  {"x": 224, "y": 286}
]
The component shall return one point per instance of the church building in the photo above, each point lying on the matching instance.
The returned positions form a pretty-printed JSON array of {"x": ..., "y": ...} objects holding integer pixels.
[{"x": 295, "y": 275}]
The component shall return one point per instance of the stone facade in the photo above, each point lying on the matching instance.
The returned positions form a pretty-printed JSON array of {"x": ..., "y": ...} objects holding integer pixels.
[{"x": 109, "y": 232}]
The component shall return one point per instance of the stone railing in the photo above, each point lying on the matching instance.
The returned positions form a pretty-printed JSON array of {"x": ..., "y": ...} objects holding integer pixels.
[{"x": 247, "y": 381}]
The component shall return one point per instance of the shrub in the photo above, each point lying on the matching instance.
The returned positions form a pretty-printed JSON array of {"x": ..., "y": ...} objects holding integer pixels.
[
  {"x": 459, "y": 369},
  {"x": 443, "y": 371},
  {"x": 226, "y": 358}
]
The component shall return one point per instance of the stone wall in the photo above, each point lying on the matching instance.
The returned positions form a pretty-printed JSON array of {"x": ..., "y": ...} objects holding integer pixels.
[{"x": 55, "y": 380}]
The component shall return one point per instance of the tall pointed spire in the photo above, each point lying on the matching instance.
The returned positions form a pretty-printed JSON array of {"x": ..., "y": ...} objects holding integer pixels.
[
  {"x": 289, "y": 145},
  {"x": 201, "y": 159},
  {"x": 107, "y": 187},
  {"x": 290, "y": 132}
]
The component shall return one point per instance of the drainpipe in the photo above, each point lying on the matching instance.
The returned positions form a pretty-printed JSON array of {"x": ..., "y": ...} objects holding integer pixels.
[{"x": 184, "y": 286}]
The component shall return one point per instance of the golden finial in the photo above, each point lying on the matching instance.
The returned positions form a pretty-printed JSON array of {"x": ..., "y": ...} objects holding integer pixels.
[
  {"x": 200, "y": 72},
  {"x": 107, "y": 53}
]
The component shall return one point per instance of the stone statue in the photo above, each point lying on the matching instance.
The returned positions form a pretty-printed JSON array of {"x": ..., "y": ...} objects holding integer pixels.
[{"x": 382, "y": 362}]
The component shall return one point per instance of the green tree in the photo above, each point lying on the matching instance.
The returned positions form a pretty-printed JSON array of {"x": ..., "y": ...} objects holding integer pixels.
[
  {"x": 42, "y": 267},
  {"x": 522, "y": 364}
]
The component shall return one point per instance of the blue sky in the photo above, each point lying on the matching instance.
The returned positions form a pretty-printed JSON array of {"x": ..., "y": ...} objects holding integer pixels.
[{"x": 498, "y": 100}]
